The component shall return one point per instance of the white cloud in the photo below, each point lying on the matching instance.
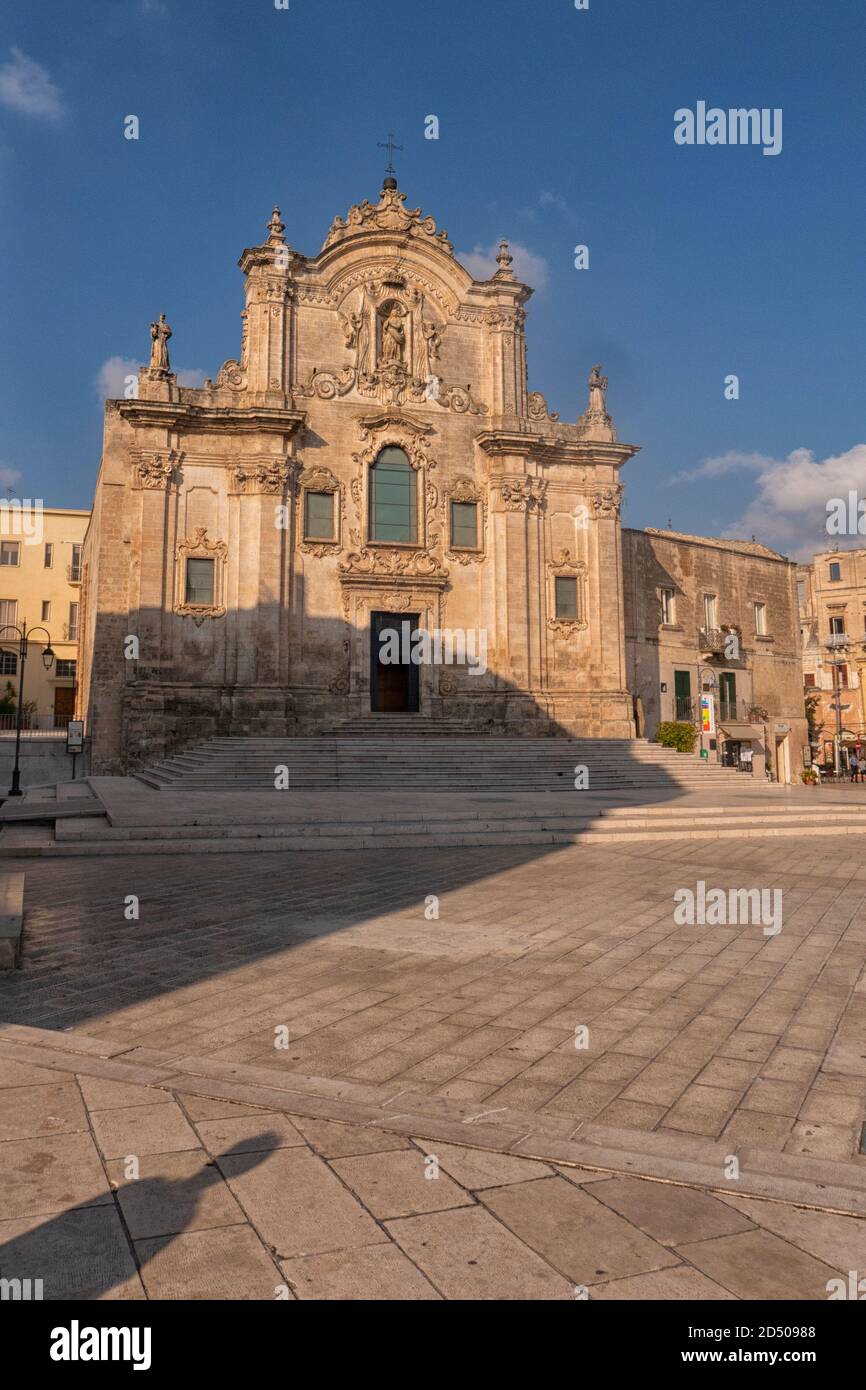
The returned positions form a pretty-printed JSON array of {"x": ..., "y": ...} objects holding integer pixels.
[
  {"x": 26, "y": 87},
  {"x": 111, "y": 378},
  {"x": 190, "y": 376},
  {"x": 528, "y": 267},
  {"x": 9, "y": 476},
  {"x": 723, "y": 463},
  {"x": 789, "y": 511}
]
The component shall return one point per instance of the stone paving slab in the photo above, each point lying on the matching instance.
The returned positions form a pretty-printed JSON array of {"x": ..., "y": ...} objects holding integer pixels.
[{"x": 259, "y": 1220}]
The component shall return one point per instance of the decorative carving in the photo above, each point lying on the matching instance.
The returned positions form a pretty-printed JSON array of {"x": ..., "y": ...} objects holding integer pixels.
[
  {"x": 536, "y": 407},
  {"x": 457, "y": 398},
  {"x": 392, "y": 340},
  {"x": 521, "y": 494},
  {"x": 231, "y": 374},
  {"x": 157, "y": 470},
  {"x": 447, "y": 685},
  {"x": 339, "y": 686},
  {"x": 393, "y": 563},
  {"x": 328, "y": 384},
  {"x": 270, "y": 477},
  {"x": 389, "y": 215},
  {"x": 199, "y": 547},
  {"x": 608, "y": 502}
]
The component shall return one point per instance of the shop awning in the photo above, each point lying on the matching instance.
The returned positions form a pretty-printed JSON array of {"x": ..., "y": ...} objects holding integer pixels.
[{"x": 742, "y": 732}]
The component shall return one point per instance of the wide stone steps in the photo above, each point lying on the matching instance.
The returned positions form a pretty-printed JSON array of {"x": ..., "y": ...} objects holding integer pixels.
[
  {"x": 432, "y": 764},
  {"x": 508, "y": 826}
]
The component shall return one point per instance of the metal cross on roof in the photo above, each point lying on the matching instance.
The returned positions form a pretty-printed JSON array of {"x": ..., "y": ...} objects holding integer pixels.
[{"x": 390, "y": 147}]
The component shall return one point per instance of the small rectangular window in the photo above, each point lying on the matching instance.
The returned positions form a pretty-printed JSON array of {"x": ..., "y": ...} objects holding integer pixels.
[
  {"x": 72, "y": 625},
  {"x": 10, "y": 552},
  {"x": 710, "y": 612},
  {"x": 65, "y": 669},
  {"x": 200, "y": 582},
  {"x": 8, "y": 663},
  {"x": 46, "y": 610},
  {"x": 668, "y": 607},
  {"x": 842, "y": 679},
  {"x": 835, "y": 571},
  {"x": 49, "y": 555},
  {"x": 75, "y": 566},
  {"x": 809, "y": 678},
  {"x": 319, "y": 516},
  {"x": 761, "y": 619},
  {"x": 464, "y": 525},
  {"x": 8, "y": 612},
  {"x": 566, "y": 597},
  {"x": 837, "y": 626}
]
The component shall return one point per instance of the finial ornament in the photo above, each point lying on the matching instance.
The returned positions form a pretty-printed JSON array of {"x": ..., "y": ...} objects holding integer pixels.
[
  {"x": 504, "y": 257},
  {"x": 276, "y": 226},
  {"x": 159, "y": 335}
]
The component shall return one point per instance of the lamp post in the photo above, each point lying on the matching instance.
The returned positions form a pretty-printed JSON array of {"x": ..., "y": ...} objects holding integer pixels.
[
  {"x": 24, "y": 635},
  {"x": 833, "y": 643}
]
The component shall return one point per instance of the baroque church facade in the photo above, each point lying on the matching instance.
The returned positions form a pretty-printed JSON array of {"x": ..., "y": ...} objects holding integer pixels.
[{"x": 373, "y": 459}]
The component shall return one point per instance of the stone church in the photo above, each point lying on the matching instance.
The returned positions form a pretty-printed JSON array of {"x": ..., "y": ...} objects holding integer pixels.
[{"x": 372, "y": 460}]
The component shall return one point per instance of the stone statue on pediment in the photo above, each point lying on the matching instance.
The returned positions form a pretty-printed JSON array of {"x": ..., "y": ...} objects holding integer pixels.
[{"x": 159, "y": 334}]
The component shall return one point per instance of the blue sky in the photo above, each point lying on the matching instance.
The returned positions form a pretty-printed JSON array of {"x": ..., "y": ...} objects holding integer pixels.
[{"x": 556, "y": 129}]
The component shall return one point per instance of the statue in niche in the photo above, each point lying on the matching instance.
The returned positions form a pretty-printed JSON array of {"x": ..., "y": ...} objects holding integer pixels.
[
  {"x": 393, "y": 338},
  {"x": 597, "y": 388},
  {"x": 159, "y": 334}
]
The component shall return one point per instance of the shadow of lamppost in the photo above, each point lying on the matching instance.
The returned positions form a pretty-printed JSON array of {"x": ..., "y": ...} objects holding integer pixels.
[{"x": 24, "y": 635}]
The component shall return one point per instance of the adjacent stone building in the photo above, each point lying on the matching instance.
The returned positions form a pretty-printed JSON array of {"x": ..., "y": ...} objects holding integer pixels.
[
  {"x": 832, "y": 598},
  {"x": 372, "y": 457},
  {"x": 716, "y": 619},
  {"x": 40, "y": 585}
]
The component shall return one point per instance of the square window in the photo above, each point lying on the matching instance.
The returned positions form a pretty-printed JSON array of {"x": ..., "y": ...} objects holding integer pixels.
[
  {"x": 10, "y": 552},
  {"x": 200, "y": 582},
  {"x": 566, "y": 598},
  {"x": 464, "y": 525},
  {"x": 318, "y": 516}
]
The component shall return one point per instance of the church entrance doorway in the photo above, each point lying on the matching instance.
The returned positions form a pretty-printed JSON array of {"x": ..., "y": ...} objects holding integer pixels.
[{"x": 393, "y": 682}]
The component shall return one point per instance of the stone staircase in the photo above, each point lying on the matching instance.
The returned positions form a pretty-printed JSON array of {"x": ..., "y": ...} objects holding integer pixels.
[
  {"x": 497, "y": 822},
  {"x": 439, "y": 762}
]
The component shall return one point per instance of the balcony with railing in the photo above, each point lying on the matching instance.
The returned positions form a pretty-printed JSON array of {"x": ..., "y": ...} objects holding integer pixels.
[{"x": 837, "y": 641}]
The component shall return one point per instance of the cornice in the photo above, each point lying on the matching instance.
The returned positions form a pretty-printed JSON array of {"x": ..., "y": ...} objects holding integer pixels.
[{"x": 211, "y": 419}]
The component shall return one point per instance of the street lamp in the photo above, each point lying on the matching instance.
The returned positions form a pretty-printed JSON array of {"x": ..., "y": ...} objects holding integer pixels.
[
  {"x": 833, "y": 643},
  {"x": 24, "y": 635}
]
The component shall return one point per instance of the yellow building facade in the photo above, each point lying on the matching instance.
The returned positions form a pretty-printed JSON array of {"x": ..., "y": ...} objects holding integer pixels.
[{"x": 40, "y": 585}]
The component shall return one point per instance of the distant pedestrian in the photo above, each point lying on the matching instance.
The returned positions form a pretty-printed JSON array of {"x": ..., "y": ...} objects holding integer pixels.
[
  {"x": 861, "y": 766},
  {"x": 853, "y": 765}
]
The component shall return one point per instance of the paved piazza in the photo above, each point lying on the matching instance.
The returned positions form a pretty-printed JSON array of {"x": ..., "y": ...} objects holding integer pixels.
[{"x": 413, "y": 1041}]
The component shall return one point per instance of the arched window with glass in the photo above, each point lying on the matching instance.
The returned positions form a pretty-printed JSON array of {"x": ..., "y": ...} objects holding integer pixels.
[{"x": 393, "y": 498}]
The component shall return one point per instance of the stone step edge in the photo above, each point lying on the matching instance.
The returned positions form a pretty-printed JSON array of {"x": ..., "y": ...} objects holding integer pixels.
[
  {"x": 818, "y": 1184},
  {"x": 319, "y": 844}
]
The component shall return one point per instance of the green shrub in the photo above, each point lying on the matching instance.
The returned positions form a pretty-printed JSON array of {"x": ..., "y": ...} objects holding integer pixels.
[{"x": 677, "y": 735}]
